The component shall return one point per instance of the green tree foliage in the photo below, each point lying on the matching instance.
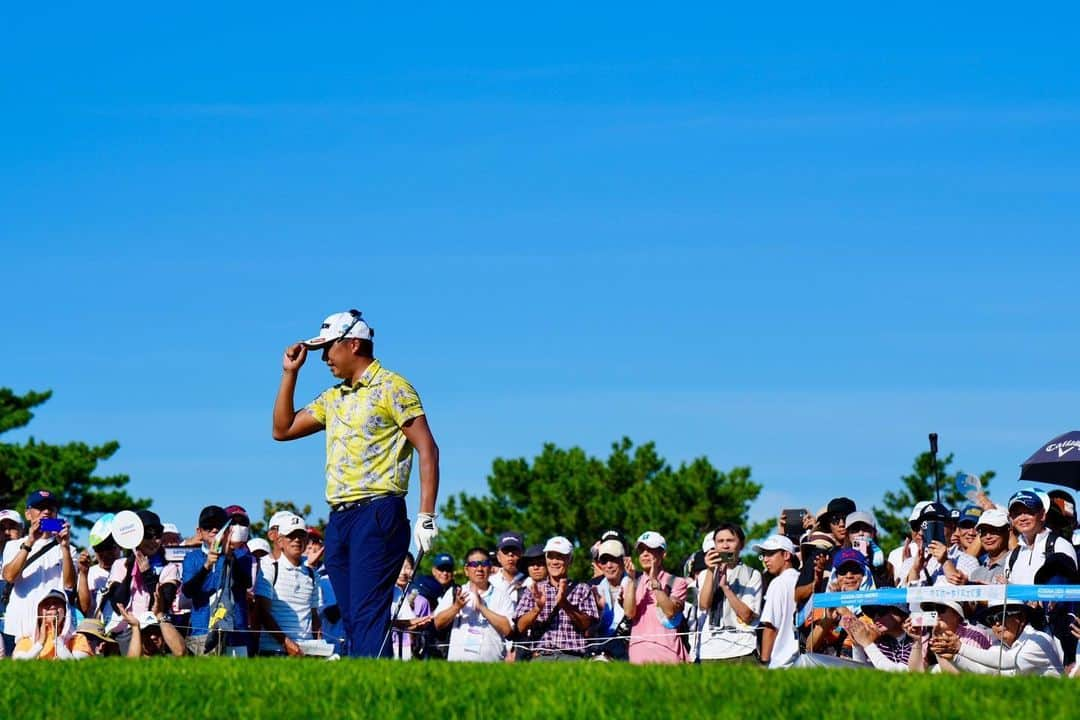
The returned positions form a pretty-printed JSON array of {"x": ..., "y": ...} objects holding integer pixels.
[
  {"x": 566, "y": 492},
  {"x": 918, "y": 485},
  {"x": 66, "y": 470},
  {"x": 258, "y": 527}
]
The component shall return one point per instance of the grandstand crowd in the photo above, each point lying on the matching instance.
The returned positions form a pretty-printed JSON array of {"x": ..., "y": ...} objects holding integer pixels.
[{"x": 822, "y": 596}]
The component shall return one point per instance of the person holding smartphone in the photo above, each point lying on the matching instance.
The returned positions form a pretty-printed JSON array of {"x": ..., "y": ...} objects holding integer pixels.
[
  {"x": 39, "y": 563},
  {"x": 729, "y": 599}
]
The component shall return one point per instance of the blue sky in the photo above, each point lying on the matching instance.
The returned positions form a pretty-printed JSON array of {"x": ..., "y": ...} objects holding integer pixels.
[{"x": 772, "y": 237}]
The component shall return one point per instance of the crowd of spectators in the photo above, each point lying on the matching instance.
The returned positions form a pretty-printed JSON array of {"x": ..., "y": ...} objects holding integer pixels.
[{"x": 222, "y": 591}]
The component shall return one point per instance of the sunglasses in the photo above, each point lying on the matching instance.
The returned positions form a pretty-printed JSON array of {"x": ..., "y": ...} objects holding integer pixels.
[
  {"x": 478, "y": 563},
  {"x": 604, "y": 559}
]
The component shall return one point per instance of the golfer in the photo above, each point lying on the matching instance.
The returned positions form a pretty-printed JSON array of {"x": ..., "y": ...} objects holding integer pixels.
[{"x": 373, "y": 420}]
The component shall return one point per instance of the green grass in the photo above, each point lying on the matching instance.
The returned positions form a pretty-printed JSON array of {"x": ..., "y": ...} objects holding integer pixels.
[{"x": 192, "y": 689}]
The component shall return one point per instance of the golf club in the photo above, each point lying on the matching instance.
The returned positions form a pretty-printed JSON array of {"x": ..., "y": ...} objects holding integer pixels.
[
  {"x": 404, "y": 597},
  {"x": 934, "y": 466}
]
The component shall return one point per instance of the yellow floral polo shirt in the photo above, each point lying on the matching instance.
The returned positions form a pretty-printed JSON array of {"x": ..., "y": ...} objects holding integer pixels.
[{"x": 366, "y": 451}]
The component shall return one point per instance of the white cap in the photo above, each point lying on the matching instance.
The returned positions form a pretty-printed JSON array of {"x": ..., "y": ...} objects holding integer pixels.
[
  {"x": 258, "y": 545},
  {"x": 290, "y": 524},
  {"x": 651, "y": 539},
  {"x": 339, "y": 326},
  {"x": 610, "y": 547},
  {"x": 276, "y": 518},
  {"x": 916, "y": 511},
  {"x": 994, "y": 517},
  {"x": 775, "y": 542},
  {"x": 146, "y": 619},
  {"x": 12, "y": 516},
  {"x": 559, "y": 544},
  {"x": 860, "y": 516},
  {"x": 708, "y": 542},
  {"x": 951, "y": 604},
  {"x": 167, "y": 528}
]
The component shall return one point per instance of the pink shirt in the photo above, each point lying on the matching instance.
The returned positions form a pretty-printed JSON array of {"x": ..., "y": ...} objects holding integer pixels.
[
  {"x": 650, "y": 641},
  {"x": 140, "y": 597}
]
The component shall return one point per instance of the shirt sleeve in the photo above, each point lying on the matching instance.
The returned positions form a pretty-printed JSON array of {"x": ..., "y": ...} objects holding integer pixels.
[
  {"x": 774, "y": 605},
  {"x": 879, "y": 661},
  {"x": 403, "y": 402},
  {"x": 585, "y": 601},
  {"x": 751, "y": 594},
  {"x": 526, "y": 602},
  {"x": 317, "y": 407}
]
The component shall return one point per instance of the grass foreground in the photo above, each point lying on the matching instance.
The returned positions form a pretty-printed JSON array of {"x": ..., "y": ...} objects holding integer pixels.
[{"x": 309, "y": 689}]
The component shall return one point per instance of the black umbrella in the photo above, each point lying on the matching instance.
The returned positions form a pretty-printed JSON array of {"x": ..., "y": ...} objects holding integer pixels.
[{"x": 1057, "y": 462}]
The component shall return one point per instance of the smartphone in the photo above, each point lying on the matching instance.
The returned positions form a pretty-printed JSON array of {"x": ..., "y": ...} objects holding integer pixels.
[
  {"x": 934, "y": 530},
  {"x": 924, "y": 619},
  {"x": 793, "y": 520},
  {"x": 863, "y": 546},
  {"x": 727, "y": 558},
  {"x": 52, "y": 525}
]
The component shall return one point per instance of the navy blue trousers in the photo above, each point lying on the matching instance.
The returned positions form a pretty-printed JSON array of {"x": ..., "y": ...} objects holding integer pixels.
[{"x": 365, "y": 548}]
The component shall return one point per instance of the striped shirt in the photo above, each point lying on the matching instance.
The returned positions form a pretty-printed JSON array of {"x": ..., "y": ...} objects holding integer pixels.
[{"x": 292, "y": 593}]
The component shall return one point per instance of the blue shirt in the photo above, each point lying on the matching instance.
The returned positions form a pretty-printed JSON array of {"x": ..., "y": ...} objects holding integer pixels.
[{"x": 202, "y": 594}]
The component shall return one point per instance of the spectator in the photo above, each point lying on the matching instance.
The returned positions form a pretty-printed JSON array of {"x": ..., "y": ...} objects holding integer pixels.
[
  {"x": 779, "y": 644},
  {"x": 534, "y": 565},
  {"x": 899, "y": 560},
  {"x": 217, "y": 585},
  {"x": 886, "y": 645},
  {"x": 51, "y": 636},
  {"x": 180, "y": 612},
  {"x": 730, "y": 599},
  {"x": 134, "y": 582},
  {"x": 862, "y": 536},
  {"x": 508, "y": 553},
  {"x": 313, "y": 553},
  {"x": 260, "y": 548},
  {"x": 432, "y": 589},
  {"x": 411, "y": 613},
  {"x": 1035, "y": 540},
  {"x": 966, "y": 535},
  {"x": 477, "y": 615},
  {"x": 91, "y": 640},
  {"x": 1023, "y": 650},
  {"x": 610, "y": 590},
  {"x": 950, "y": 621},
  {"x": 561, "y": 610},
  {"x": 834, "y": 519},
  {"x": 39, "y": 563},
  {"x": 993, "y": 537},
  {"x": 827, "y": 633},
  {"x": 94, "y": 578},
  {"x": 1061, "y": 516},
  {"x": 817, "y": 549},
  {"x": 286, "y": 594},
  {"x": 10, "y": 530},
  {"x": 938, "y": 563},
  {"x": 272, "y": 530},
  {"x": 656, "y": 611},
  {"x": 333, "y": 628},
  {"x": 152, "y": 636}
]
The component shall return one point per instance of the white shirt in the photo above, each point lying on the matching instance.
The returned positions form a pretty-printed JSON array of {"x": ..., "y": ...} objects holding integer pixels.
[
  {"x": 1032, "y": 557},
  {"x": 45, "y": 574},
  {"x": 1033, "y": 653},
  {"x": 731, "y": 637},
  {"x": 292, "y": 597},
  {"x": 472, "y": 637},
  {"x": 779, "y": 612}
]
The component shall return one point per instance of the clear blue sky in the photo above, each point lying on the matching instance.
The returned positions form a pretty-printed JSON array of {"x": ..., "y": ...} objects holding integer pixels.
[{"x": 776, "y": 238}]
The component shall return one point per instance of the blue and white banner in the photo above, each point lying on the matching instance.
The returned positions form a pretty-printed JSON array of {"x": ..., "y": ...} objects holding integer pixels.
[{"x": 954, "y": 593}]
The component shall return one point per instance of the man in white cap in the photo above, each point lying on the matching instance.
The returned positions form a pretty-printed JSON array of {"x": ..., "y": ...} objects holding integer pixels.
[
  {"x": 779, "y": 644},
  {"x": 1027, "y": 511},
  {"x": 373, "y": 421},
  {"x": 993, "y": 530},
  {"x": 899, "y": 559},
  {"x": 286, "y": 593},
  {"x": 556, "y": 613}
]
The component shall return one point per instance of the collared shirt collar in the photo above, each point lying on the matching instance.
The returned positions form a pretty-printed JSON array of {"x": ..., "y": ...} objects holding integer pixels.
[{"x": 364, "y": 380}]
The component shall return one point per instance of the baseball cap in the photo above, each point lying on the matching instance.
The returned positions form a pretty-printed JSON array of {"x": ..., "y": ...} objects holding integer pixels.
[
  {"x": 775, "y": 542},
  {"x": 651, "y": 539},
  {"x": 559, "y": 544},
  {"x": 818, "y": 540},
  {"x": 860, "y": 516},
  {"x": 42, "y": 497},
  {"x": 54, "y": 594},
  {"x": 443, "y": 561},
  {"x": 12, "y": 516},
  {"x": 315, "y": 532},
  {"x": 951, "y": 604},
  {"x": 510, "y": 540},
  {"x": 841, "y": 506},
  {"x": 995, "y": 517},
  {"x": 1028, "y": 498},
  {"x": 212, "y": 517},
  {"x": 709, "y": 541},
  {"x": 611, "y": 547},
  {"x": 150, "y": 519},
  {"x": 934, "y": 511},
  {"x": 258, "y": 545},
  {"x": 147, "y": 619},
  {"x": 167, "y": 528},
  {"x": 916, "y": 512},
  {"x": 532, "y": 552},
  {"x": 848, "y": 555},
  {"x": 339, "y": 326},
  {"x": 970, "y": 514},
  {"x": 290, "y": 524},
  {"x": 276, "y": 518}
]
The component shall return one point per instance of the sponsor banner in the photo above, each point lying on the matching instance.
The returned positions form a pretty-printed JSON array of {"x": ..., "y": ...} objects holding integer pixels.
[{"x": 954, "y": 593}]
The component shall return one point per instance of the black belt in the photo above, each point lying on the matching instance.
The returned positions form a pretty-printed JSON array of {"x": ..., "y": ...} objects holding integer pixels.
[{"x": 352, "y": 505}]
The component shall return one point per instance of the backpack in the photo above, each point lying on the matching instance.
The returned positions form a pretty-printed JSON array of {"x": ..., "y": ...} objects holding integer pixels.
[{"x": 1048, "y": 547}]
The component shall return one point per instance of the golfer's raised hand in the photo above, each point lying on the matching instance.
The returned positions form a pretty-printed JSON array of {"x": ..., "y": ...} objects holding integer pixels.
[{"x": 295, "y": 355}]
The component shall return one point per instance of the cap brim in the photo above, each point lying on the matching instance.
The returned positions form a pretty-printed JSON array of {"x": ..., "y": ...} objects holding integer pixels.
[{"x": 316, "y": 342}]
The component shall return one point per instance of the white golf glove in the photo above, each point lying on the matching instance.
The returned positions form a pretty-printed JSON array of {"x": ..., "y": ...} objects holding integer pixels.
[{"x": 425, "y": 531}]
